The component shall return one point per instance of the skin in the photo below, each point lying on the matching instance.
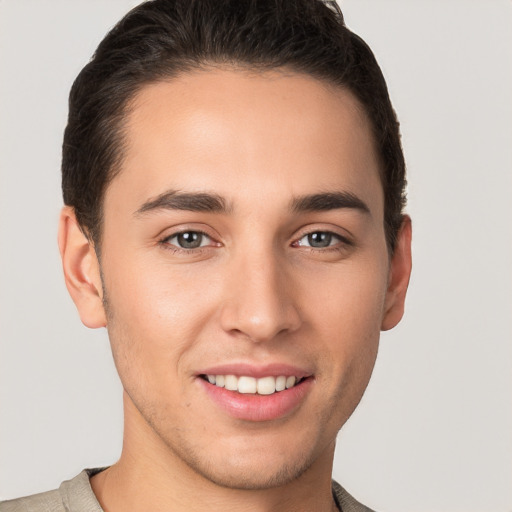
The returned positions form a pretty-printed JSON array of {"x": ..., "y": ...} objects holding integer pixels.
[{"x": 254, "y": 293}]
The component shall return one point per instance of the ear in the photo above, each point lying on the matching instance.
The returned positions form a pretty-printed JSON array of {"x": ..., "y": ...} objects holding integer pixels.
[
  {"x": 81, "y": 270},
  {"x": 399, "y": 274}
]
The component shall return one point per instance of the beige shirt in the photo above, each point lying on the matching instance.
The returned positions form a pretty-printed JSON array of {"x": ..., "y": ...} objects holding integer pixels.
[{"x": 76, "y": 495}]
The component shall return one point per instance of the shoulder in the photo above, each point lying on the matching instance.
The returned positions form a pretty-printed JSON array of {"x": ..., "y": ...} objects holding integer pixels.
[
  {"x": 345, "y": 501},
  {"x": 73, "y": 495},
  {"x": 45, "y": 501}
]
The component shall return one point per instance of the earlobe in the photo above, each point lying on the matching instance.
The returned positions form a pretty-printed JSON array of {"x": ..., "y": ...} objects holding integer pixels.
[
  {"x": 399, "y": 274},
  {"x": 81, "y": 270}
]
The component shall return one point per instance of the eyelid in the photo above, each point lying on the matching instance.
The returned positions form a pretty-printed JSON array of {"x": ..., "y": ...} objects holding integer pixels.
[
  {"x": 175, "y": 235},
  {"x": 163, "y": 239},
  {"x": 345, "y": 239}
]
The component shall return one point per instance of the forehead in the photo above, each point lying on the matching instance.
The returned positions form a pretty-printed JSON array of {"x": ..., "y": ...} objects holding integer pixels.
[{"x": 246, "y": 133}]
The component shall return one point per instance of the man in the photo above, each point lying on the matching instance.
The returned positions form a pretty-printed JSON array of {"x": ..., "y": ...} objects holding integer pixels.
[{"x": 234, "y": 190}]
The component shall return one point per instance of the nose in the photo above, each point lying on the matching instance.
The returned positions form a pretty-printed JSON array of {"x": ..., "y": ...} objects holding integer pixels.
[{"x": 259, "y": 300}]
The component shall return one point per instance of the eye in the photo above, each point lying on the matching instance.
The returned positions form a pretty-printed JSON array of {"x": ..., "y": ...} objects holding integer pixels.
[
  {"x": 189, "y": 240},
  {"x": 320, "y": 240}
]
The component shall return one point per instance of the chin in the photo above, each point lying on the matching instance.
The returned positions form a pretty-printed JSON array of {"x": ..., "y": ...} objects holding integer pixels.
[
  {"x": 253, "y": 475},
  {"x": 254, "y": 462}
]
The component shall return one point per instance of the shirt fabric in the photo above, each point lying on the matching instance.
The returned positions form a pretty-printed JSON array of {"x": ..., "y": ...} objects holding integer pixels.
[{"x": 76, "y": 495}]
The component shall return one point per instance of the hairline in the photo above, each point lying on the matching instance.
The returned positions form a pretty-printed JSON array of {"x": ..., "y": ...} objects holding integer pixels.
[{"x": 192, "y": 67}]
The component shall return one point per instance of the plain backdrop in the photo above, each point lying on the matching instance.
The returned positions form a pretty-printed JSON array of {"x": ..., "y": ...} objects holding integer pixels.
[{"x": 434, "y": 430}]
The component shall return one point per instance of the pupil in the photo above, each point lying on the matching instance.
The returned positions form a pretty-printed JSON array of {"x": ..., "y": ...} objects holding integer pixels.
[
  {"x": 320, "y": 239},
  {"x": 190, "y": 239}
]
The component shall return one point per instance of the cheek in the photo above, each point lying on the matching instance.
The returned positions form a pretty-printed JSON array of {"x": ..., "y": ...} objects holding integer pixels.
[
  {"x": 349, "y": 314},
  {"x": 161, "y": 301},
  {"x": 351, "y": 301},
  {"x": 351, "y": 344},
  {"x": 154, "y": 319}
]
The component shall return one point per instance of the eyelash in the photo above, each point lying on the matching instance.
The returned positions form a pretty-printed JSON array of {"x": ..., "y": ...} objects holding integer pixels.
[
  {"x": 165, "y": 242},
  {"x": 341, "y": 244}
]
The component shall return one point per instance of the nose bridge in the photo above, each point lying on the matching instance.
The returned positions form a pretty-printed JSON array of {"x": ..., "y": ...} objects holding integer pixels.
[{"x": 259, "y": 301}]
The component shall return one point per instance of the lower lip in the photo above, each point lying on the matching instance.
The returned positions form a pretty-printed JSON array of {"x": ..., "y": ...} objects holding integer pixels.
[{"x": 253, "y": 407}]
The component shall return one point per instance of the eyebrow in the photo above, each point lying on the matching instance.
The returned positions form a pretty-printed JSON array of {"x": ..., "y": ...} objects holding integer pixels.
[
  {"x": 214, "y": 203},
  {"x": 190, "y": 201},
  {"x": 328, "y": 201}
]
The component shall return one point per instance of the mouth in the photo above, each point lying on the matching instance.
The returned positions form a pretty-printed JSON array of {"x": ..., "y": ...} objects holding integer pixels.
[
  {"x": 256, "y": 395},
  {"x": 245, "y": 384}
]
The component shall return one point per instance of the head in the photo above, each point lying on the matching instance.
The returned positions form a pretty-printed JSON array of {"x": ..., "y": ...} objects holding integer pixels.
[
  {"x": 162, "y": 39},
  {"x": 234, "y": 186}
]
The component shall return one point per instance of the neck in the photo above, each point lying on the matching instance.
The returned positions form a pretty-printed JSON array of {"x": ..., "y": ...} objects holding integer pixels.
[{"x": 149, "y": 476}]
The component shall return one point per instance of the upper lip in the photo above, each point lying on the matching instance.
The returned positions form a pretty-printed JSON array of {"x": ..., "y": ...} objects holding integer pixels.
[{"x": 256, "y": 371}]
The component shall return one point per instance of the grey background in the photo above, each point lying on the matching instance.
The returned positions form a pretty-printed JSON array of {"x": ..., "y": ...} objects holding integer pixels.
[{"x": 434, "y": 430}]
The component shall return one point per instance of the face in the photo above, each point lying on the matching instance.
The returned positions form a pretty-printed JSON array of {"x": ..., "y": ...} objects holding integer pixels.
[{"x": 243, "y": 251}]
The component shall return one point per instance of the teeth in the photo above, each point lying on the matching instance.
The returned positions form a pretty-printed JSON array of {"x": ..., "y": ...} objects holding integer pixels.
[
  {"x": 231, "y": 383},
  {"x": 290, "y": 382},
  {"x": 245, "y": 384},
  {"x": 280, "y": 383},
  {"x": 266, "y": 386}
]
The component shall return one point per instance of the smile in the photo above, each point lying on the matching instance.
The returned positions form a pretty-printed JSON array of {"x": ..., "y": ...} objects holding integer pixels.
[
  {"x": 256, "y": 398},
  {"x": 251, "y": 385}
]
